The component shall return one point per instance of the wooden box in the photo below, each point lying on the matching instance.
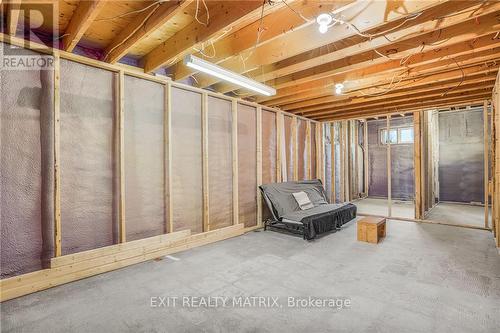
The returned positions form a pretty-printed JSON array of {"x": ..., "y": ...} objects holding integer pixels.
[{"x": 371, "y": 229}]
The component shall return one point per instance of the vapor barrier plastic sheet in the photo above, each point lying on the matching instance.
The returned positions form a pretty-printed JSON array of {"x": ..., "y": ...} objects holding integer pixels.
[
  {"x": 144, "y": 158},
  {"x": 25, "y": 113},
  {"x": 247, "y": 165},
  {"x": 313, "y": 151},
  {"x": 269, "y": 151},
  {"x": 377, "y": 157},
  {"x": 303, "y": 159},
  {"x": 461, "y": 156},
  {"x": 220, "y": 167},
  {"x": 87, "y": 112},
  {"x": 402, "y": 171},
  {"x": 187, "y": 190},
  {"x": 289, "y": 147}
]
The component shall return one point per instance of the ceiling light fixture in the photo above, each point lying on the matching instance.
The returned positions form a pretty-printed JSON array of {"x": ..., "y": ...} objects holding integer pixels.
[
  {"x": 324, "y": 21},
  {"x": 227, "y": 75},
  {"x": 338, "y": 88}
]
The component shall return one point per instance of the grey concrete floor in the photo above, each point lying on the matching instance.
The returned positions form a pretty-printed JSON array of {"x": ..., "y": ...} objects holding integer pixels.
[
  {"x": 379, "y": 206},
  {"x": 421, "y": 278},
  {"x": 456, "y": 213}
]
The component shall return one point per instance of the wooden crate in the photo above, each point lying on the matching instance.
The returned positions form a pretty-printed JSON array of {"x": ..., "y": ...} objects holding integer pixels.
[{"x": 371, "y": 229}]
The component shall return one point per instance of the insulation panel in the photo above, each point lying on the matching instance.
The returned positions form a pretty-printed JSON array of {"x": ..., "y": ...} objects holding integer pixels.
[
  {"x": 87, "y": 157},
  {"x": 26, "y": 214},
  {"x": 247, "y": 165},
  {"x": 187, "y": 186},
  {"x": 144, "y": 158},
  {"x": 220, "y": 168}
]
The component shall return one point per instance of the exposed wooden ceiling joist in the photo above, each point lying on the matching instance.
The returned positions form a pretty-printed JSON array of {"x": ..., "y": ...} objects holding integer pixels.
[
  {"x": 276, "y": 22},
  {"x": 381, "y": 64},
  {"x": 83, "y": 17},
  {"x": 409, "y": 98},
  {"x": 305, "y": 62},
  {"x": 142, "y": 26},
  {"x": 403, "y": 93},
  {"x": 458, "y": 31},
  {"x": 381, "y": 83},
  {"x": 226, "y": 15},
  {"x": 449, "y": 101}
]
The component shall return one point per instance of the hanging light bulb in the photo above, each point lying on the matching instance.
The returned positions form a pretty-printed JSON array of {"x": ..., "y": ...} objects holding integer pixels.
[
  {"x": 338, "y": 88},
  {"x": 324, "y": 21}
]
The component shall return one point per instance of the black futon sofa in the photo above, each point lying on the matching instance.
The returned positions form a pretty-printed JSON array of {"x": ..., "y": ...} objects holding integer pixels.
[{"x": 287, "y": 214}]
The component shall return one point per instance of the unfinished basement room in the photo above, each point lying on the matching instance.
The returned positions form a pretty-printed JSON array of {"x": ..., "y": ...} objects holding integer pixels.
[{"x": 250, "y": 166}]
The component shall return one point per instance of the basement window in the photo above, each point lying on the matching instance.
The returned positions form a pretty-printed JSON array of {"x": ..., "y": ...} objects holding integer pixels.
[{"x": 400, "y": 135}]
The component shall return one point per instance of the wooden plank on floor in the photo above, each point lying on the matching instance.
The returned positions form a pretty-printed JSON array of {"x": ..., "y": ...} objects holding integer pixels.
[{"x": 54, "y": 277}]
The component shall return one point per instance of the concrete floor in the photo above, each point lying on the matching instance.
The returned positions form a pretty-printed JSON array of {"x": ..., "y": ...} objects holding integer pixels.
[
  {"x": 457, "y": 214},
  {"x": 421, "y": 278},
  {"x": 378, "y": 206}
]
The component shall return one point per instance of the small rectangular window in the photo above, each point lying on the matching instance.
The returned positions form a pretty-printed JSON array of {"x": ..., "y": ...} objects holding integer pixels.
[
  {"x": 406, "y": 135},
  {"x": 400, "y": 135},
  {"x": 393, "y": 136}
]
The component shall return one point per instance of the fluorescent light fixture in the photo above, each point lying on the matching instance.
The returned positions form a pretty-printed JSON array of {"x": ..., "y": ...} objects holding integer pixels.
[{"x": 227, "y": 75}]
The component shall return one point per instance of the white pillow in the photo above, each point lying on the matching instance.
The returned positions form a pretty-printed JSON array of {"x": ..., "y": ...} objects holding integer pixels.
[{"x": 303, "y": 200}]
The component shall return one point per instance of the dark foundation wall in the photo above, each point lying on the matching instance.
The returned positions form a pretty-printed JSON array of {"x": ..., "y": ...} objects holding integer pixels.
[
  {"x": 402, "y": 171},
  {"x": 461, "y": 160}
]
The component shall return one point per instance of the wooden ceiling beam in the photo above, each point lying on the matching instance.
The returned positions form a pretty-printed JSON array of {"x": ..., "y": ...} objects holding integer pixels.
[
  {"x": 227, "y": 14},
  {"x": 281, "y": 22},
  {"x": 82, "y": 18},
  {"x": 424, "y": 26},
  {"x": 419, "y": 97},
  {"x": 398, "y": 55},
  {"x": 367, "y": 16},
  {"x": 382, "y": 82},
  {"x": 437, "y": 105},
  {"x": 419, "y": 89},
  {"x": 142, "y": 27},
  {"x": 459, "y": 31},
  {"x": 462, "y": 97},
  {"x": 426, "y": 61}
]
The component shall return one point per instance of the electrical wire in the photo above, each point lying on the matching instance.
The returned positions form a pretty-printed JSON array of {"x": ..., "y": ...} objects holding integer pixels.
[
  {"x": 462, "y": 79},
  {"x": 196, "y": 12},
  {"x": 297, "y": 13},
  {"x": 142, "y": 25},
  {"x": 159, "y": 2}
]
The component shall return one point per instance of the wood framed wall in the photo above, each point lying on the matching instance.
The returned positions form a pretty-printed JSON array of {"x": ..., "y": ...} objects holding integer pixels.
[
  {"x": 495, "y": 139},
  {"x": 71, "y": 267}
]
